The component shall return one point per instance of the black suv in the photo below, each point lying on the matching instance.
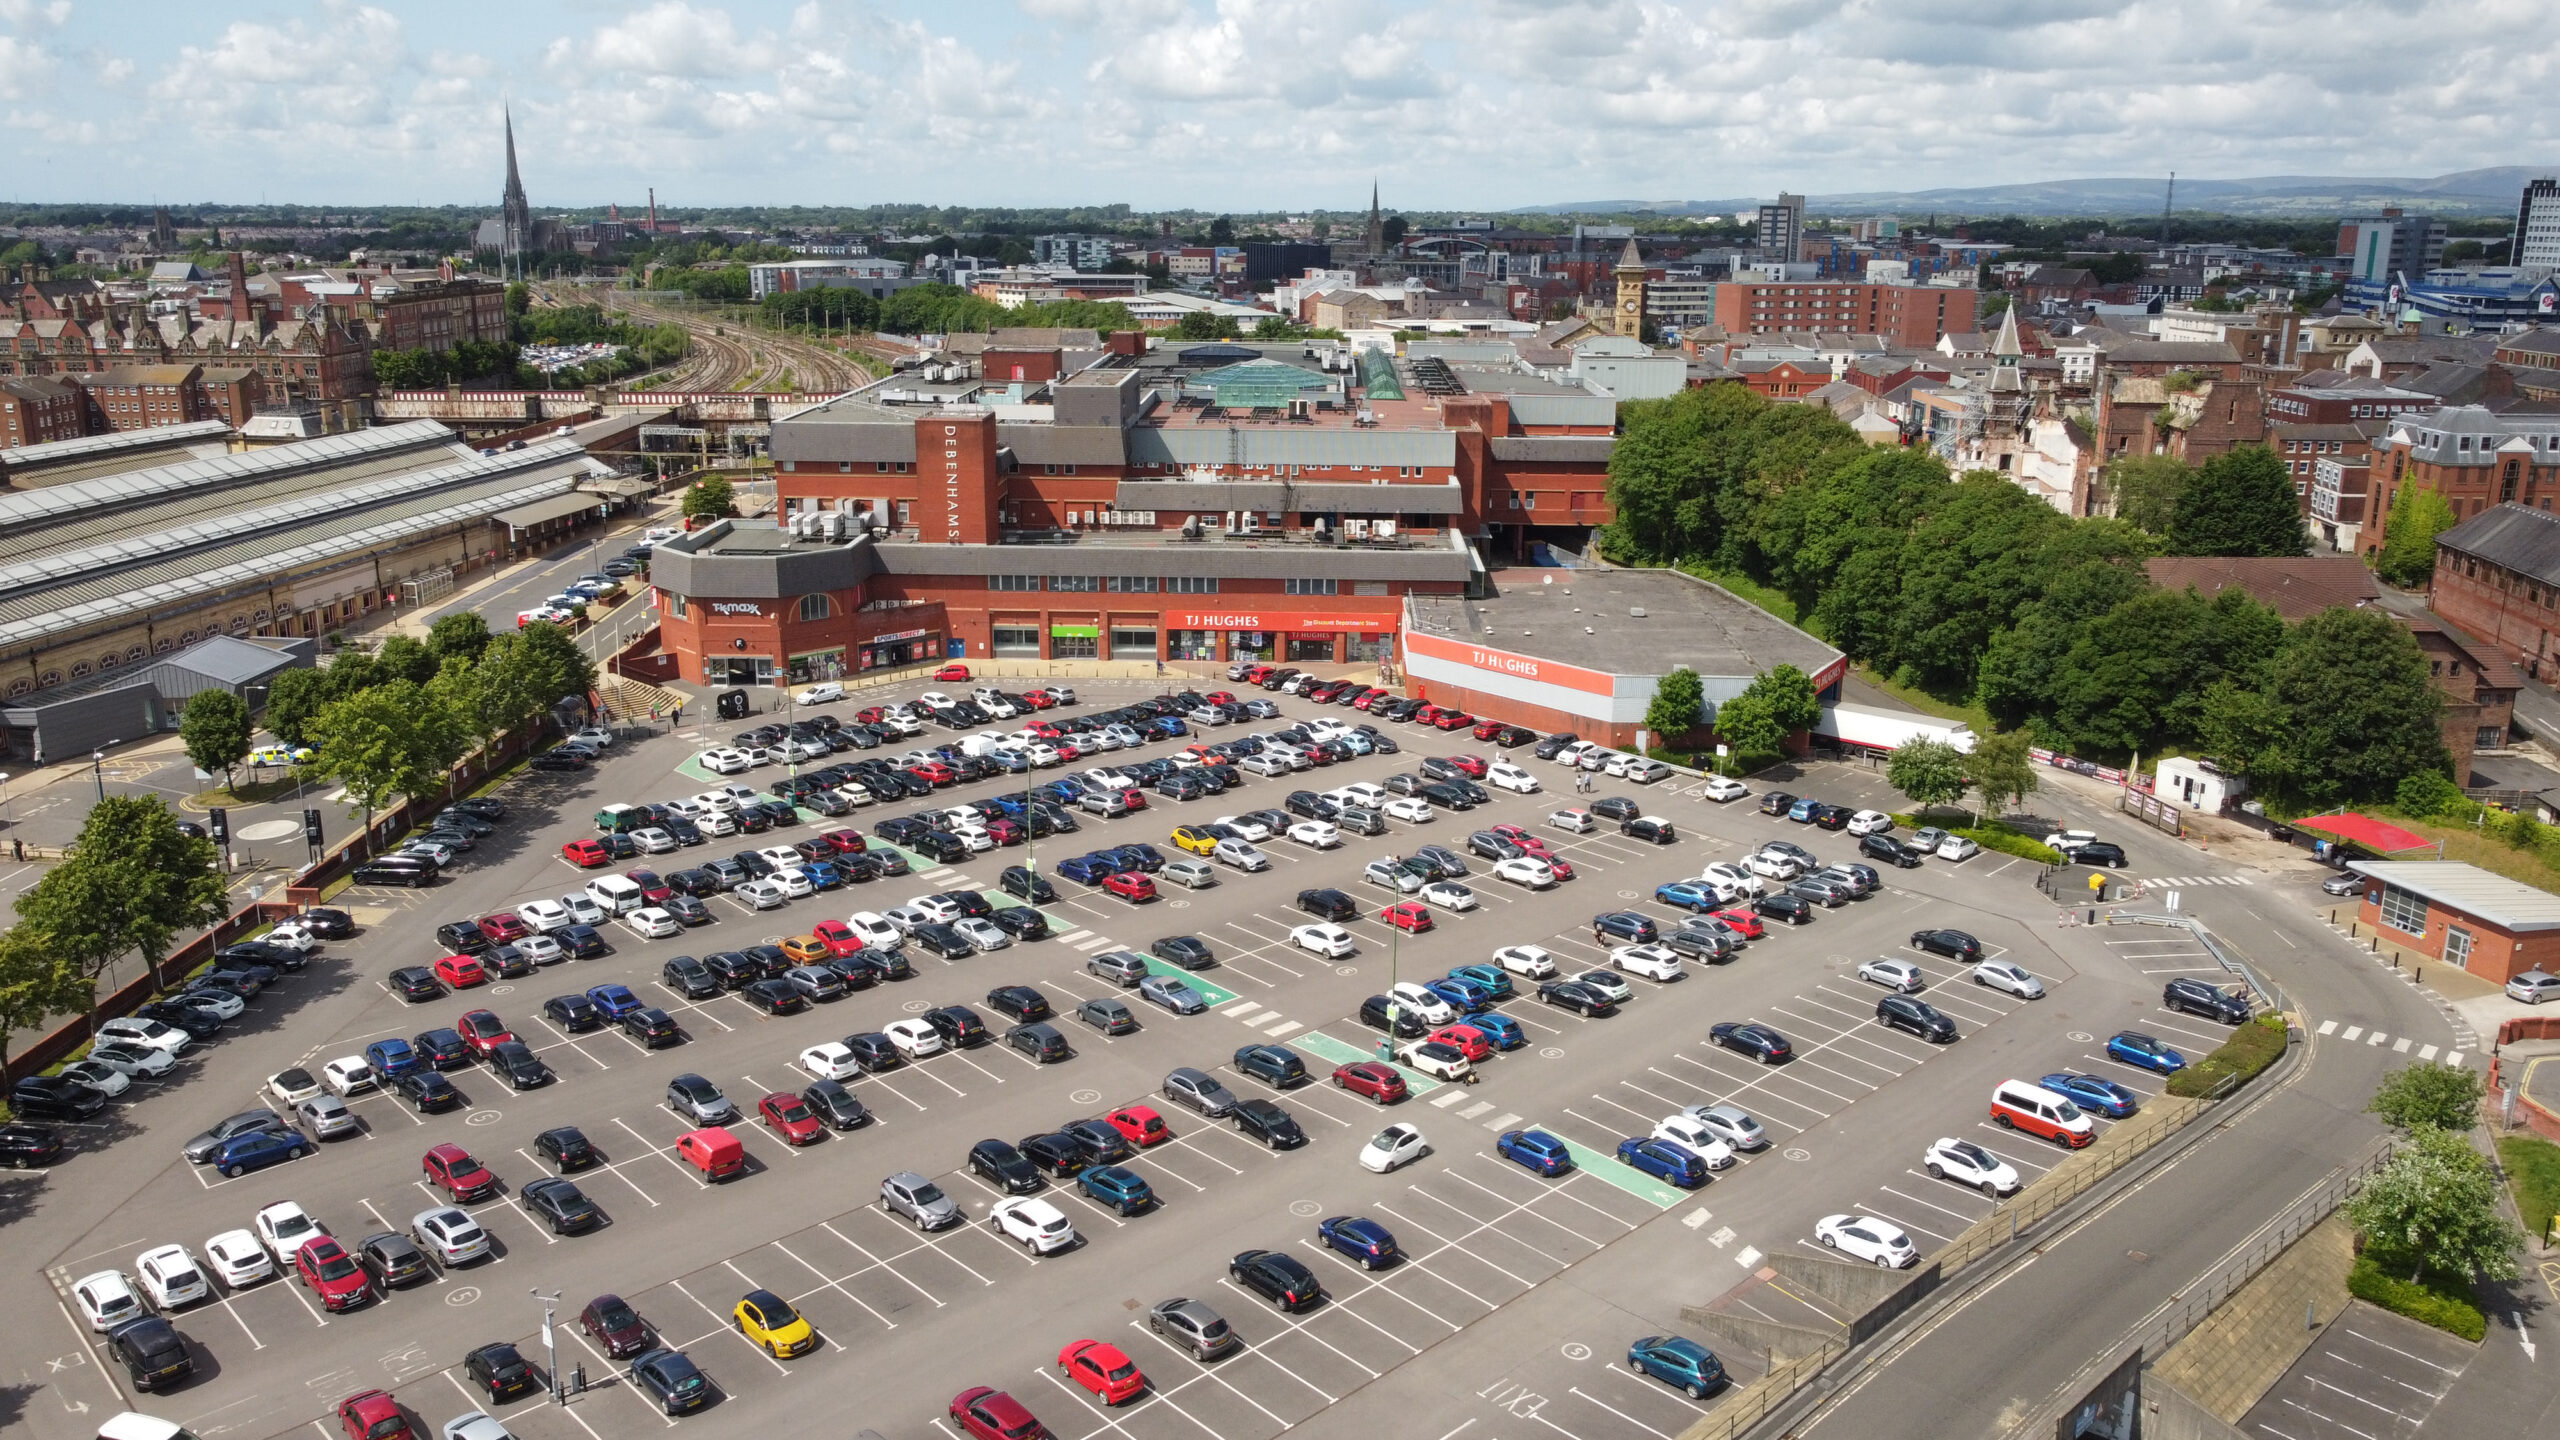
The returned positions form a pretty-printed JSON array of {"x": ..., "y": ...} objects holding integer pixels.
[
  {"x": 1903, "y": 1012},
  {"x": 1006, "y": 1166},
  {"x": 1616, "y": 807},
  {"x": 1328, "y": 904},
  {"x": 1954, "y": 944},
  {"x": 1623, "y": 927},
  {"x": 1889, "y": 850},
  {"x": 1264, "y": 1121},
  {"x": 462, "y": 937},
  {"x": 2195, "y": 997},
  {"x": 1022, "y": 1002},
  {"x": 1188, "y": 951},
  {"x": 1272, "y": 1065},
  {"x": 1407, "y": 1025}
]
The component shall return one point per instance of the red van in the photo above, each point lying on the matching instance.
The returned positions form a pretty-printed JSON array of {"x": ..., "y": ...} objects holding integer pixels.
[
  {"x": 713, "y": 1151},
  {"x": 2017, "y": 1105}
]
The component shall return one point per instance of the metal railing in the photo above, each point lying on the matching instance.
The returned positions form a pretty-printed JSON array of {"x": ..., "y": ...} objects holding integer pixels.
[{"x": 2222, "y": 951}]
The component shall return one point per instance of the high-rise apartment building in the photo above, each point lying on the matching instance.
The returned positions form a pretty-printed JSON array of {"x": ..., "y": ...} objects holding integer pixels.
[
  {"x": 2538, "y": 224},
  {"x": 1782, "y": 227}
]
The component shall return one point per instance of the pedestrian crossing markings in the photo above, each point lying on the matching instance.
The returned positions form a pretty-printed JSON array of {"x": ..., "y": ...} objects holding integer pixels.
[{"x": 2352, "y": 1034}]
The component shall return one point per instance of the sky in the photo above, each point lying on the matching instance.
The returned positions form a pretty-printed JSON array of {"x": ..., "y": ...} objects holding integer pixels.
[{"x": 1243, "y": 105}]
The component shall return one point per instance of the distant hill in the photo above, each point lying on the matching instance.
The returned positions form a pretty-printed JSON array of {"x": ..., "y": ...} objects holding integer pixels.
[{"x": 2468, "y": 192}]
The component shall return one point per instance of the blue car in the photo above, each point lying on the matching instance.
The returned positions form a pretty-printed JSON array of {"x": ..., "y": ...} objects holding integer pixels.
[
  {"x": 1495, "y": 980},
  {"x": 1803, "y": 811},
  {"x": 1686, "y": 895},
  {"x": 392, "y": 1059},
  {"x": 1501, "y": 1029},
  {"x": 1356, "y": 742},
  {"x": 1361, "y": 1238},
  {"x": 2146, "y": 1052},
  {"x": 257, "y": 1150},
  {"x": 1117, "y": 1186},
  {"x": 1009, "y": 760},
  {"x": 1089, "y": 869},
  {"x": 823, "y": 874},
  {"x": 614, "y": 1000},
  {"x": 1466, "y": 994},
  {"x": 1141, "y": 857},
  {"x": 1011, "y": 805},
  {"x": 1537, "y": 1150},
  {"x": 1681, "y": 1363},
  {"x": 1168, "y": 726},
  {"x": 1664, "y": 1160},
  {"x": 1059, "y": 791},
  {"x": 2093, "y": 1092}
]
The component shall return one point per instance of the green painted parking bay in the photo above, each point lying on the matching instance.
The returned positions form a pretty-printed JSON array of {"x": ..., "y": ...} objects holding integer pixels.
[
  {"x": 1216, "y": 995},
  {"x": 1325, "y": 1047},
  {"x": 1604, "y": 1167}
]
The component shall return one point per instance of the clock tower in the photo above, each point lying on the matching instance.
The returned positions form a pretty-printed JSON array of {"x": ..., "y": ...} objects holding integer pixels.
[{"x": 1630, "y": 316}]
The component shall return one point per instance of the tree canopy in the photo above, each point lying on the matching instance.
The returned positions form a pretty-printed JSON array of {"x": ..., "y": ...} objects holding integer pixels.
[
  {"x": 2444, "y": 1096},
  {"x": 1930, "y": 772},
  {"x": 1678, "y": 706},
  {"x": 2240, "y": 502},
  {"x": 709, "y": 498},
  {"x": 2418, "y": 516},
  {"x": 215, "y": 730},
  {"x": 2344, "y": 713},
  {"x": 132, "y": 881},
  {"x": 2433, "y": 1206}
]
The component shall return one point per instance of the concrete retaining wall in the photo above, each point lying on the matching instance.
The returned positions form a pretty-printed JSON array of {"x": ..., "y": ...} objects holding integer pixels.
[
  {"x": 1850, "y": 1289},
  {"x": 2169, "y": 1413}
]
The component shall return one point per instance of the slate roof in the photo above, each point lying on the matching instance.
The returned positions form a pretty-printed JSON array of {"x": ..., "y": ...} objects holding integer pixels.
[
  {"x": 2512, "y": 537},
  {"x": 2295, "y": 586}
]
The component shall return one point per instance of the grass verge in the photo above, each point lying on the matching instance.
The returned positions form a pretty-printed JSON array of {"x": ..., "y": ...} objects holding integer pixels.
[
  {"x": 2445, "y": 1304},
  {"x": 2250, "y": 1050},
  {"x": 2533, "y": 1172}
]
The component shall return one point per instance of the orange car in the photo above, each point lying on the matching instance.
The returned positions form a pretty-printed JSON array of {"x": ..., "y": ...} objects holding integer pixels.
[{"x": 807, "y": 950}]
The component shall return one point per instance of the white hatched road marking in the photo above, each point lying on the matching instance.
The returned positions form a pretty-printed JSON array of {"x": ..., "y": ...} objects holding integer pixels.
[
  {"x": 2328, "y": 1027},
  {"x": 1499, "y": 1122},
  {"x": 1283, "y": 1028},
  {"x": 1451, "y": 1098},
  {"x": 1474, "y": 1110}
]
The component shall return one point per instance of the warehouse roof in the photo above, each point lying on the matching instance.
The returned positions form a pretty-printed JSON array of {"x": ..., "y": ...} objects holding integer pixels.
[
  {"x": 2511, "y": 905},
  {"x": 1623, "y": 622}
]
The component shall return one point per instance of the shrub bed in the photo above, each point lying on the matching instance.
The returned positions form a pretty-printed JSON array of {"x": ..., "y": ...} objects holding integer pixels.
[
  {"x": 2379, "y": 1279},
  {"x": 2251, "y": 1049},
  {"x": 2533, "y": 1170}
]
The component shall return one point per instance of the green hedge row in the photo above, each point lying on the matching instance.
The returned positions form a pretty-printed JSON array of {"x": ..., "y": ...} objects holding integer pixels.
[
  {"x": 2445, "y": 1304},
  {"x": 2251, "y": 1049},
  {"x": 1989, "y": 837}
]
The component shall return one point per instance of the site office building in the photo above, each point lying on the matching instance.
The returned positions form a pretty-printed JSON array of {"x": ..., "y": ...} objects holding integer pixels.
[{"x": 1102, "y": 505}]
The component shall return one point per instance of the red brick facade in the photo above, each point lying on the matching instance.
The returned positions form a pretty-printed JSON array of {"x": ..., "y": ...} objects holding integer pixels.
[{"x": 1910, "y": 315}]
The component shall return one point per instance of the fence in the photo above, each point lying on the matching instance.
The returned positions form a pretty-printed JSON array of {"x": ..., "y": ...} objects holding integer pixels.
[{"x": 2269, "y": 997}]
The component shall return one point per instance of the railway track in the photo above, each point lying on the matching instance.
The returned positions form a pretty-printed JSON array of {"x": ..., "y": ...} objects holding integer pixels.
[{"x": 729, "y": 358}]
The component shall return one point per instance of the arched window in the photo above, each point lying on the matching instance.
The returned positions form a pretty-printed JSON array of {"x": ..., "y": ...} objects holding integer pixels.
[
  {"x": 163, "y": 645},
  {"x": 135, "y": 652},
  {"x": 813, "y": 607},
  {"x": 21, "y": 685},
  {"x": 79, "y": 669},
  {"x": 109, "y": 662},
  {"x": 50, "y": 677}
]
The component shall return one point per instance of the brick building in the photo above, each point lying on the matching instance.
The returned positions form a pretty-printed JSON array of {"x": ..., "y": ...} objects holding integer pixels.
[
  {"x": 2479, "y": 688},
  {"x": 1913, "y": 316},
  {"x": 319, "y": 359},
  {"x": 2473, "y": 457},
  {"x": 2497, "y": 576},
  {"x": 438, "y": 315},
  {"x": 37, "y": 411},
  {"x": 143, "y": 397},
  {"x": 2492, "y": 926}
]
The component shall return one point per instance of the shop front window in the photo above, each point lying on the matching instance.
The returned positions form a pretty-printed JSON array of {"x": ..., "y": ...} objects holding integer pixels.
[
  {"x": 1192, "y": 645},
  {"x": 741, "y": 669},
  {"x": 1075, "y": 642},
  {"x": 1129, "y": 644},
  {"x": 1306, "y": 648},
  {"x": 1373, "y": 647},
  {"x": 821, "y": 665},
  {"x": 1255, "y": 644},
  {"x": 1017, "y": 642}
]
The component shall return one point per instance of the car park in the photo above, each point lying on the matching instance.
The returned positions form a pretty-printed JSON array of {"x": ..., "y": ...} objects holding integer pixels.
[
  {"x": 2008, "y": 976},
  {"x": 1966, "y": 1163},
  {"x": 1864, "y": 1237}
]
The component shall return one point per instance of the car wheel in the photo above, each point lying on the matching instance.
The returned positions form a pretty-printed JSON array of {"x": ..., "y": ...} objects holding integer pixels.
[
  {"x": 1937, "y": 1171},
  {"x": 1884, "y": 1262},
  {"x": 233, "y": 1172},
  {"x": 1828, "y": 1243},
  {"x": 1697, "y": 1392},
  {"x": 1127, "y": 1210}
]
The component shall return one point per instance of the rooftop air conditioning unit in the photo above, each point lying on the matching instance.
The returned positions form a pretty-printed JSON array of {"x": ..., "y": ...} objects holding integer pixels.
[
  {"x": 1386, "y": 529},
  {"x": 1356, "y": 529}
]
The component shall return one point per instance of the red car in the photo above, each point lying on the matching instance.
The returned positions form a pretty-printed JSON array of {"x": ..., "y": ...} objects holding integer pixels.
[
  {"x": 1562, "y": 867},
  {"x": 934, "y": 773},
  {"x": 1741, "y": 920},
  {"x": 332, "y": 1274},
  {"x": 1454, "y": 720},
  {"x": 373, "y": 1415},
  {"x": 1067, "y": 748},
  {"x": 870, "y": 715},
  {"x": 1467, "y": 1040},
  {"x": 1132, "y": 886},
  {"x": 790, "y": 1117},
  {"x": 451, "y": 1169},
  {"x": 1412, "y": 916},
  {"x": 652, "y": 889},
  {"x": 1369, "y": 700},
  {"x": 1367, "y": 1077},
  {"x": 838, "y": 937},
  {"x": 1140, "y": 1125},
  {"x": 1100, "y": 1367},
  {"x": 1134, "y": 798},
  {"x": 461, "y": 972},
  {"x": 1486, "y": 729},
  {"x": 986, "y": 1413},
  {"x": 1520, "y": 837},
  {"x": 952, "y": 672},
  {"x": 1221, "y": 697},
  {"x": 1042, "y": 728},
  {"x": 847, "y": 842},
  {"x": 587, "y": 854},
  {"x": 503, "y": 927},
  {"x": 482, "y": 1031},
  {"x": 1008, "y": 832},
  {"x": 1039, "y": 699}
]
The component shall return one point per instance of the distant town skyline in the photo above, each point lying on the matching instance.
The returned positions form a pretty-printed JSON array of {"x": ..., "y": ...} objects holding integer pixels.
[{"x": 1239, "y": 104}]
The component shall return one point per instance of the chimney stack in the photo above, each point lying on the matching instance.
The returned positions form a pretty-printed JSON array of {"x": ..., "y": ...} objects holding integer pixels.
[{"x": 239, "y": 268}]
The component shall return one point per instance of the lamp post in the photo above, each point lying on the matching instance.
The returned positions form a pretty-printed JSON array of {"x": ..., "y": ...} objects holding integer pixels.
[
  {"x": 98, "y": 767},
  {"x": 4, "y": 797},
  {"x": 550, "y": 1347}
]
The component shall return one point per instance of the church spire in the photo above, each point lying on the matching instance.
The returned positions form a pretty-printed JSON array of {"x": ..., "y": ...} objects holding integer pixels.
[
  {"x": 515, "y": 214},
  {"x": 1374, "y": 240},
  {"x": 515, "y": 182}
]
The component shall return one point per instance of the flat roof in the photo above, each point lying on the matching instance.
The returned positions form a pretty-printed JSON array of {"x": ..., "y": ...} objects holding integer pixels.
[
  {"x": 2510, "y": 905},
  {"x": 1585, "y": 618}
]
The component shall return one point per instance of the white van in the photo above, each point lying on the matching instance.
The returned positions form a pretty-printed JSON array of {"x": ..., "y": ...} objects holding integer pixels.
[
  {"x": 2017, "y": 1105},
  {"x": 616, "y": 895}
]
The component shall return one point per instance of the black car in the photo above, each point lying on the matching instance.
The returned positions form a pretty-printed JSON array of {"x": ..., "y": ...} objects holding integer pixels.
[
  {"x": 1006, "y": 1166},
  {"x": 557, "y": 759},
  {"x": 1265, "y": 1121},
  {"x": 416, "y": 983},
  {"x": 560, "y": 1205},
  {"x": 1902, "y": 1012},
  {"x": 695, "y": 883},
  {"x": 942, "y": 940},
  {"x": 1757, "y": 1041},
  {"x": 1954, "y": 944},
  {"x": 462, "y": 937},
  {"x": 831, "y": 1102},
  {"x": 1443, "y": 862},
  {"x": 1042, "y": 1042},
  {"x": 1375, "y": 1013},
  {"x": 1490, "y": 846},
  {"x": 1793, "y": 909},
  {"x": 498, "y": 1369},
  {"x": 1056, "y": 1155},
  {"x": 1274, "y": 1065},
  {"x": 429, "y": 1091},
  {"x": 1575, "y": 996},
  {"x": 1310, "y": 805},
  {"x": 441, "y": 1048},
  {"x": 1777, "y": 802},
  {"x": 1328, "y": 904},
  {"x": 1832, "y": 817},
  {"x": 392, "y": 1260},
  {"x": 199, "y": 1022},
  {"x": 1022, "y": 922},
  {"x": 1889, "y": 850},
  {"x": 958, "y": 1025},
  {"x": 732, "y": 969},
  {"x": 23, "y": 1147},
  {"x": 154, "y": 1353},
  {"x": 1616, "y": 807},
  {"x": 690, "y": 978},
  {"x": 505, "y": 962},
  {"x": 327, "y": 923},
  {"x": 566, "y": 1147},
  {"x": 515, "y": 1060},
  {"x": 1188, "y": 951},
  {"x": 50, "y": 1097},
  {"x": 2212, "y": 1002},
  {"x": 584, "y": 942},
  {"x": 1623, "y": 927},
  {"x": 1648, "y": 829},
  {"x": 573, "y": 1013},
  {"x": 1022, "y": 1002},
  {"x": 774, "y": 997},
  {"x": 1553, "y": 745},
  {"x": 874, "y": 1051},
  {"x": 652, "y": 1027},
  {"x": 1101, "y": 1143},
  {"x": 2101, "y": 852},
  {"x": 1278, "y": 1277},
  {"x": 1021, "y": 883}
]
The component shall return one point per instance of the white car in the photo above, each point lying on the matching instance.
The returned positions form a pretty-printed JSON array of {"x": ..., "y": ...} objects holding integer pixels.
[
  {"x": 540, "y": 949},
  {"x": 283, "y": 1228},
  {"x": 763, "y": 895},
  {"x": 1041, "y": 754},
  {"x": 293, "y": 1086},
  {"x": 819, "y": 694},
  {"x": 1526, "y": 870},
  {"x": 1690, "y": 1135},
  {"x": 1616, "y": 763},
  {"x": 348, "y": 1075},
  {"x": 583, "y": 910},
  {"x": 874, "y": 930},
  {"x": 223, "y": 1005},
  {"x": 449, "y": 1234},
  {"x": 158, "y": 1034},
  {"x": 793, "y": 882},
  {"x": 1956, "y": 847},
  {"x": 1969, "y": 1164},
  {"x": 1725, "y": 875},
  {"x": 1315, "y": 833},
  {"x": 1899, "y": 975},
  {"x": 106, "y": 1300},
  {"x": 1107, "y": 780},
  {"x": 2005, "y": 975},
  {"x": 1654, "y": 962},
  {"x": 1435, "y": 1058},
  {"x": 544, "y": 916},
  {"x": 1331, "y": 941},
  {"x": 98, "y": 1075},
  {"x": 936, "y": 700},
  {"x": 1407, "y": 809},
  {"x": 1724, "y": 787},
  {"x": 1774, "y": 867},
  {"x": 2070, "y": 840},
  {"x": 908, "y": 918},
  {"x": 1246, "y": 827},
  {"x": 136, "y": 1060},
  {"x": 237, "y": 1260},
  {"x": 715, "y": 802},
  {"x": 1395, "y": 1146},
  {"x": 474, "y": 1425},
  {"x": 1360, "y": 792},
  {"x": 1241, "y": 855},
  {"x": 853, "y": 794},
  {"x": 1040, "y": 1226},
  {"x": 653, "y": 922},
  {"x": 717, "y": 824},
  {"x": 293, "y": 935},
  {"x": 1449, "y": 895},
  {"x": 830, "y": 1061},
  {"x": 1504, "y": 775},
  {"x": 1870, "y": 822},
  {"x": 1527, "y": 961},
  {"x": 1412, "y": 996},
  {"x": 915, "y": 1039},
  {"x": 936, "y": 909},
  {"x": 724, "y": 760},
  {"x": 1577, "y": 821},
  {"x": 1730, "y": 1124},
  {"x": 1866, "y": 1238},
  {"x": 327, "y": 1116}
]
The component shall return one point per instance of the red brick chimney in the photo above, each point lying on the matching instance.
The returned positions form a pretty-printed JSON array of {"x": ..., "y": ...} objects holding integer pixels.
[{"x": 239, "y": 268}]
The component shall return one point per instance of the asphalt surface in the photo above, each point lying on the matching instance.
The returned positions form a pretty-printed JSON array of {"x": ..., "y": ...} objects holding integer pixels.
[{"x": 1511, "y": 1317}]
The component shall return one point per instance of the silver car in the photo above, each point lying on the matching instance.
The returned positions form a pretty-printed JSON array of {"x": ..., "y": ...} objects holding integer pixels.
[
  {"x": 1189, "y": 874},
  {"x": 1169, "y": 992},
  {"x": 1193, "y": 1326},
  {"x": 449, "y": 1234},
  {"x": 1731, "y": 1124},
  {"x": 1819, "y": 891},
  {"x": 920, "y": 1200},
  {"x": 327, "y": 1115},
  {"x": 816, "y": 982},
  {"x": 1199, "y": 1090}
]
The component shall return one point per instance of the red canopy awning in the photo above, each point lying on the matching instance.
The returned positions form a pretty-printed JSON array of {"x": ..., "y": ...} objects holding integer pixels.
[{"x": 2364, "y": 830}]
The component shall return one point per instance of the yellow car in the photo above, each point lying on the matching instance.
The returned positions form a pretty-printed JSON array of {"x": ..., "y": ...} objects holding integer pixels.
[
  {"x": 1194, "y": 839},
  {"x": 806, "y": 950},
  {"x": 768, "y": 1320}
]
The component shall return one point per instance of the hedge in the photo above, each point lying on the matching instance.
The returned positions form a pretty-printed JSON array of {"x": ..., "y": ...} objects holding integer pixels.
[
  {"x": 2445, "y": 1304},
  {"x": 2533, "y": 1168},
  {"x": 1989, "y": 837},
  {"x": 2251, "y": 1049}
]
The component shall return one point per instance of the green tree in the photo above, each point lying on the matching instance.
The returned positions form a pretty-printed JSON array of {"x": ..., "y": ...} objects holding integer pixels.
[
  {"x": 36, "y": 984},
  {"x": 1931, "y": 772},
  {"x": 1746, "y": 725},
  {"x": 2145, "y": 489},
  {"x": 2418, "y": 516},
  {"x": 2434, "y": 1206},
  {"x": 2424, "y": 795},
  {"x": 708, "y": 498},
  {"x": 351, "y": 671},
  {"x": 2002, "y": 769},
  {"x": 1790, "y": 696},
  {"x": 461, "y": 633},
  {"x": 131, "y": 882},
  {"x": 292, "y": 699},
  {"x": 405, "y": 657},
  {"x": 1679, "y": 705},
  {"x": 524, "y": 674},
  {"x": 2524, "y": 832},
  {"x": 2240, "y": 502},
  {"x": 215, "y": 730},
  {"x": 2346, "y": 713},
  {"x": 519, "y": 299},
  {"x": 379, "y": 743},
  {"x": 1201, "y": 325},
  {"x": 2446, "y": 1097}
]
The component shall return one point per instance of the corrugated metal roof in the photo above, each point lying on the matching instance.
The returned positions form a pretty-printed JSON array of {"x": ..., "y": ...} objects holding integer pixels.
[
  {"x": 555, "y": 507},
  {"x": 2508, "y": 904},
  {"x": 57, "y": 452},
  {"x": 158, "y": 481},
  {"x": 2512, "y": 537}
]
